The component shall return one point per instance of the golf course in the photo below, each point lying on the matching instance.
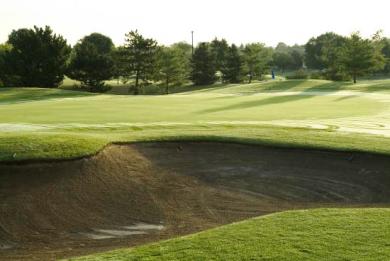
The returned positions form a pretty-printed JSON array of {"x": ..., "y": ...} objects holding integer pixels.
[
  {"x": 269, "y": 170},
  {"x": 194, "y": 130}
]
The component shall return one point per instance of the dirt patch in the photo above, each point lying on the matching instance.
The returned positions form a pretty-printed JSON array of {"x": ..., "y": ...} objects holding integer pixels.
[{"x": 132, "y": 194}]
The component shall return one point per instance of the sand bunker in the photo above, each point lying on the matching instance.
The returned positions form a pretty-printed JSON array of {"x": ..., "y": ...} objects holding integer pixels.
[{"x": 133, "y": 194}]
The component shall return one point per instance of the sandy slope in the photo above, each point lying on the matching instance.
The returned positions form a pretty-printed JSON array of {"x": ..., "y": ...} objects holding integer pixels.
[{"x": 132, "y": 194}]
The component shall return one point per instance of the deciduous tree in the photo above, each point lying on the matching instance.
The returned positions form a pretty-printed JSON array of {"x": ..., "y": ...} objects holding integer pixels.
[
  {"x": 172, "y": 66},
  {"x": 92, "y": 61},
  {"x": 257, "y": 59}
]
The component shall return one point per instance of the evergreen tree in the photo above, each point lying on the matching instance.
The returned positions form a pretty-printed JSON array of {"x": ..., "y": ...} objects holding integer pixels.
[
  {"x": 232, "y": 70},
  {"x": 141, "y": 55},
  {"x": 37, "y": 58},
  {"x": 358, "y": 56},
  {"x": 219, "y": 50},
  {"x": 203, "y": 65}
]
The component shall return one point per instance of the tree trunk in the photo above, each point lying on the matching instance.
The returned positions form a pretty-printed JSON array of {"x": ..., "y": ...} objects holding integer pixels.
[
  {"x": 167, "y": 86},
  {"x": 250, "y": 77},
  {"x": 136, "y": 91},
  {"x": 354, "y": 78}
]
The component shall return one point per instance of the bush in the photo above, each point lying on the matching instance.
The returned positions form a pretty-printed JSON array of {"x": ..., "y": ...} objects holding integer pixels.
[
  {"x": 317, "y": 76},
  {"x": 300, "y": 74},
  {"x": 336, "y": 76}
]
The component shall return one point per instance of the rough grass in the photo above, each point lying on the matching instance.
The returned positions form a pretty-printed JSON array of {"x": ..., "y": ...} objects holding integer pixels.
[{"x": 321, "y": 234}]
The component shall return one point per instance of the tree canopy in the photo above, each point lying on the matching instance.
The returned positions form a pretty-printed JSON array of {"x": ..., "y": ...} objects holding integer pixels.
[
  {"x": 203, "y": 65},
  {"x": 358, "y": 56},
  {"x": 173, "y": 66},
  {"x": 38, "y": 57},
  {"x": 92, "y": 61},
  {"x": 140, "y": 54},
  {"x": 257, "y": 58},
  {"x": 34, "y": 58},
  {"x": 232, "y": 69}
]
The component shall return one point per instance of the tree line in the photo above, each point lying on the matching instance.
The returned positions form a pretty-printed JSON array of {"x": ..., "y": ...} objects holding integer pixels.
[{"x": 38, "y": 57}]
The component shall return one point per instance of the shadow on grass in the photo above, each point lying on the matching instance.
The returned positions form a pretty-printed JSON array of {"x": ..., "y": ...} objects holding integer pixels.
[
  {"x": 258, "y": 103},
  {"x": 327, "y": 88},
  {"x": 22, "y": 95}
]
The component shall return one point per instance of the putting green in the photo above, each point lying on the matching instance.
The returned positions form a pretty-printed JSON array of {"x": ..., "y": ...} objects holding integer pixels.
[{"x": 259, "y": 112}]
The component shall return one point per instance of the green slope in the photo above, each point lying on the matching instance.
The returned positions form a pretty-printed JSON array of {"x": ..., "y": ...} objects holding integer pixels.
[
  {"x": 321, "y": 234},
  {"x": 50, "y": 123}
]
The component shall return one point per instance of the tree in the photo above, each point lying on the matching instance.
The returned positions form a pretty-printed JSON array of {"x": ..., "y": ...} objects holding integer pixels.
[
  {"x": 288, "y": 57},
  {"x": 172, "y": 66},
  {"x": 219, "y": 50},
  {"x": 323, "y": 52},
  {"x": 297, "y": 58},
  {"x": 282, "y": 60},
  {"x": 386, "y": 54},
  {"x": 141, "y": 54},
  {"x": 232, "y": 70},
  {"x": 186, "y": 54},
  {"x": 282, "y": 48},
  {"x": 257, "y": 59},
  {"x": 122, "y": 68},
  {"x": 37, "y": 57},
  {"x": 358, "y": 56},
  {"x": 203, "y": 65},
  {"x": 92, "y": 61},
  {"x": 379, "y": 59},
  {"x": 4, "y": 48}
]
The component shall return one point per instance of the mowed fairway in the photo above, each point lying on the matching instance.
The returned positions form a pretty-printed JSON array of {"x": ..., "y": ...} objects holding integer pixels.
[{"x": 259, "y": 111}]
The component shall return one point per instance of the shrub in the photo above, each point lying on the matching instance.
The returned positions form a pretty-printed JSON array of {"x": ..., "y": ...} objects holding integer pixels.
[
  {"x": 317, "y": 76},
  {"x": 300, "y": 74}
]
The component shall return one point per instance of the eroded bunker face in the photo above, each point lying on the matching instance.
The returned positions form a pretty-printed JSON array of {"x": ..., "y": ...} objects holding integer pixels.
[{"x": 132, "y": 194}]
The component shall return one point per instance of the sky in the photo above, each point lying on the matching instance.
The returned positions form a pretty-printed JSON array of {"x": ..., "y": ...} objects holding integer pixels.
[{"x": 169, "y": 21}]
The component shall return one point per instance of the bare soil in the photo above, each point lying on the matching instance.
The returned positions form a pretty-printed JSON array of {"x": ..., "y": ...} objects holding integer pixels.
[{"x": 129, "y": 195}]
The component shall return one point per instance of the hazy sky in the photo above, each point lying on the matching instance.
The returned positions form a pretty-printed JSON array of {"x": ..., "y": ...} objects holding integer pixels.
[{"x": 168, "y": 21}]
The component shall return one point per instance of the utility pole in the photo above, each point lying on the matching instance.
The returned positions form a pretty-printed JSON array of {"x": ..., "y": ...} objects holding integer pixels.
[{"x": 192, "y": 42}]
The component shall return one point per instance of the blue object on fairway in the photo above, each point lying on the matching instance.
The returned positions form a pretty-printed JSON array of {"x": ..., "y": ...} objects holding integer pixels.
[{"x": 273, "y": 75}]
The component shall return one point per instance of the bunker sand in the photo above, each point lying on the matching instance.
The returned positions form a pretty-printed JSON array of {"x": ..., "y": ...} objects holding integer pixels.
[{"x": 129, "y": 195}]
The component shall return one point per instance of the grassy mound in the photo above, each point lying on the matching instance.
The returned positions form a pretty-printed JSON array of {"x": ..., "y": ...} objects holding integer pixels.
[{"x": 322, "y": 234}]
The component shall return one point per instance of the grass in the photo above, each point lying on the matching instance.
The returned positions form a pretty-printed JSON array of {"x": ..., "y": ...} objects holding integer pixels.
[
  {"x": 55, "y": 124},
  {"x": 16, "y": 146},
  {"x": 319, "y": 234},
  {"x": 38, "y": 124}
]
